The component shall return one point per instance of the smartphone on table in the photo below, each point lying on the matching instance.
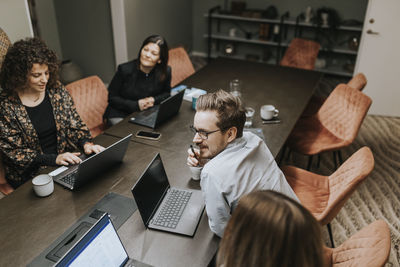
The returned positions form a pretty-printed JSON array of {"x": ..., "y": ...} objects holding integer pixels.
[{"x": 148, "y": 135}]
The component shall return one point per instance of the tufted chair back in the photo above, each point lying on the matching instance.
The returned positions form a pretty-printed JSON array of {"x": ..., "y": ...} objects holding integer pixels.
[
  {"x": 344, "y": 181},
  {"x": 301, "y": 54},
  {"x": 369, "y": 247},
  {"x": 5, "y": 43},
  {"x": 358, "y": 81},
  {"x": 181, "y": 66},
  {"x": 344, "y": 111},
  {"x": 91, "y": 99},
  {"x": 324, "y": 196}
]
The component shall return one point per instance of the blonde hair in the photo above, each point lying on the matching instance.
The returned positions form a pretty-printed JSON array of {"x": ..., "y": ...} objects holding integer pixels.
[
  {"x": 269, "y": 229},
  {"x": 229, "y": 108}
]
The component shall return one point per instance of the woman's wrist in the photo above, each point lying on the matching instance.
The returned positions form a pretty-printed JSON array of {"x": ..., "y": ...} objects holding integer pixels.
[{"x": 85, "y": 146}]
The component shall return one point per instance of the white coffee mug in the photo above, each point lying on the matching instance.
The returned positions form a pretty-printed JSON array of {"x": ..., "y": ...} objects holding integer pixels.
[
  {"x": 268, "y": 112},
  {"x": 196, "y": 172},
  {"x": 43, "y": 185}
]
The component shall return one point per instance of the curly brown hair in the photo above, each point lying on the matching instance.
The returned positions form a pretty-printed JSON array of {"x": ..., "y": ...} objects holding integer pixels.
[{"x": 19, "y": 60}]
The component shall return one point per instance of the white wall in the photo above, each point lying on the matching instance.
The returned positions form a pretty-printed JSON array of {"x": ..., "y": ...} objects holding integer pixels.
[
  {"x": 169, "y": 18},
  {"x": 15, "y": 19},
  {"x": 48, "y": 25},
  {"x": 85, "y": 31}
]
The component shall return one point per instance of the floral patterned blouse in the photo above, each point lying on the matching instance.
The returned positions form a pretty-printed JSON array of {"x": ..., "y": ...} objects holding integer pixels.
[{"x": 19, "y": 142}]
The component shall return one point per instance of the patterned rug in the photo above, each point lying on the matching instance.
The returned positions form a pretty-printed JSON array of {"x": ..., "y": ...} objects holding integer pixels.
[{"x": 378, "y": 197}]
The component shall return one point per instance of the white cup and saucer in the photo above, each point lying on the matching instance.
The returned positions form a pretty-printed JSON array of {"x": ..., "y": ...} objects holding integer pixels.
[
  {"x": 269, "y": 112},
  {"x": 196, "y": 172},
  {"x": 43, "y": 185}
]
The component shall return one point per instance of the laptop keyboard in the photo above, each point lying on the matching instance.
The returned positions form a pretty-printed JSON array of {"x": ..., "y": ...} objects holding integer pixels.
[
  {"x": 173, "y": 208},
  {"x": 70, "y": 178}
]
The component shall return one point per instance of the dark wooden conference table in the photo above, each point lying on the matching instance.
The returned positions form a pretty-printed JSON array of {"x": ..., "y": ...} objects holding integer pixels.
[{"x": 29, "y": 224}]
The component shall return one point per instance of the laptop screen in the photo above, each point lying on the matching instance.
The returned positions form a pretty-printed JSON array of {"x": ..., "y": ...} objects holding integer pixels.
[
  {"x": 150, "y": 189},
  {"x": 100, "y": 246}
]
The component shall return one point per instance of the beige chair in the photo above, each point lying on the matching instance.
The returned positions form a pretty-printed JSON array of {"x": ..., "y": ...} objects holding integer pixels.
[
  {"x": 324, "y": 196},
  {"x": 181, "y": 66},
  {"x": 370, "y": 247},
  {"x": 5, "y": 43},
  {"x": 91, "y": 99}
]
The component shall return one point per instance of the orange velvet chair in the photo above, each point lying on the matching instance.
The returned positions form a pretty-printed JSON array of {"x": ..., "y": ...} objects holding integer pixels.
[
  {"x": 324, "y": 196},
  {"x": 301, "y": 54},
  {"x": 335, "y": 126},
  {"x": 91, "y": 99},
  {"x": 5, "y": 188},
  {"x": 181, "y": 66},
  {"x": 370, "y": 247},
  {"x": 358, "y": 81}
]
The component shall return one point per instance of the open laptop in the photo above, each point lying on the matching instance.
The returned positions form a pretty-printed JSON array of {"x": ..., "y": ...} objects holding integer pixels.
[
  {"x": 76, "y": 175},
  {"x": 100, "y": 246},
  {"x": 158, "y": 114},
  {"x": 165, "y": 208}
]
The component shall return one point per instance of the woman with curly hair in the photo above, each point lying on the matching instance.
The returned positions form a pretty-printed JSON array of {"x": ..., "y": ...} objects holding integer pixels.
[
  {"x": 141, "y": 83},
  {"x": 39, "y": 123},
  {"x": 269, "y": 229}
]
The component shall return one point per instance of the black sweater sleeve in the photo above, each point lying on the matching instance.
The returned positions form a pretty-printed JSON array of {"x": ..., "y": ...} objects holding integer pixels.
[
  {"x": 166, "y": 89},
  {"x": 115, "y": 100}
]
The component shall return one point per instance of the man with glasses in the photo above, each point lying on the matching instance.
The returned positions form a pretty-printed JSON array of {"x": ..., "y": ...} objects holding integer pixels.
[{"x": 234, "y": 163}]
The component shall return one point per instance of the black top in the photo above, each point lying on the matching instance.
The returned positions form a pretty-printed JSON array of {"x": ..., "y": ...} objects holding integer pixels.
[
  {"x": 129, "y": 85},
  {"x": 42, "y": 119}
]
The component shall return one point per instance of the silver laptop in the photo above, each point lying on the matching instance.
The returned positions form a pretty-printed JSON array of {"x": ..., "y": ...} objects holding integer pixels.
[
  {"x": 156, "y": 115},
  {"x": 100, "y": 246},
  {"x": 166, "y": 208},
  {"x": 75, "y": 176}
]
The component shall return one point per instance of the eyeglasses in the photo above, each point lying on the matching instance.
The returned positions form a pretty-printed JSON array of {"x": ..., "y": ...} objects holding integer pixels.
[{"x": 203, "y": 134}]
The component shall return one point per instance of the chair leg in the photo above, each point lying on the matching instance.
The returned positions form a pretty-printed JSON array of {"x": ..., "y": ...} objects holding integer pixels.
[
  {"x": 340, "y": 157},
  {"x": 334, "y": 159},
  {"x": 282, "y": 155},
  {"x": 330, "y": 234},
  {"x": 309, "y": 162}
]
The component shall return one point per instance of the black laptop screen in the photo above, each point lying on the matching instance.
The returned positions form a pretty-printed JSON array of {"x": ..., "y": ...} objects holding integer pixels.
[{"x": 149, "y": 190}]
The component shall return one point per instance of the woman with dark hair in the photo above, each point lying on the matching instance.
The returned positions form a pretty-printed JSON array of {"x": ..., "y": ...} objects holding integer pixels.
[
  {"x": 269, "y": 229},
  {"x": 141, "y": 83},
  {"x": 38, "y": 121}
]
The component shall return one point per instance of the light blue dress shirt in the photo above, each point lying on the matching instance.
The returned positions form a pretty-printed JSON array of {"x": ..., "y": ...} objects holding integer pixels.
[{"x": 245, "y": 165}]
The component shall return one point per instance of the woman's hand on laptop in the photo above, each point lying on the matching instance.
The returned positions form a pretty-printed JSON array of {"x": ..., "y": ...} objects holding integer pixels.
[
  {"x": 91, "y": 148},
  {"x": 68, "y": 158}
]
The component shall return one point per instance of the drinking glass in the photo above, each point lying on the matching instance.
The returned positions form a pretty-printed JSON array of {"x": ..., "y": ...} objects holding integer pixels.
[
  {"x": 249, "y": 116},
  {"x": 235, "y": 87}
]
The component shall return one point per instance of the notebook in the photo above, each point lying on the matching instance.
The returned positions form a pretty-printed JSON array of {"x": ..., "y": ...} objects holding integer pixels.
[
  {"x": 76, "y": 175},
  {"x": 158, "y": 114},
  {"x": 100, "y": 246},
  {"x": 163, "y": 207}
]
